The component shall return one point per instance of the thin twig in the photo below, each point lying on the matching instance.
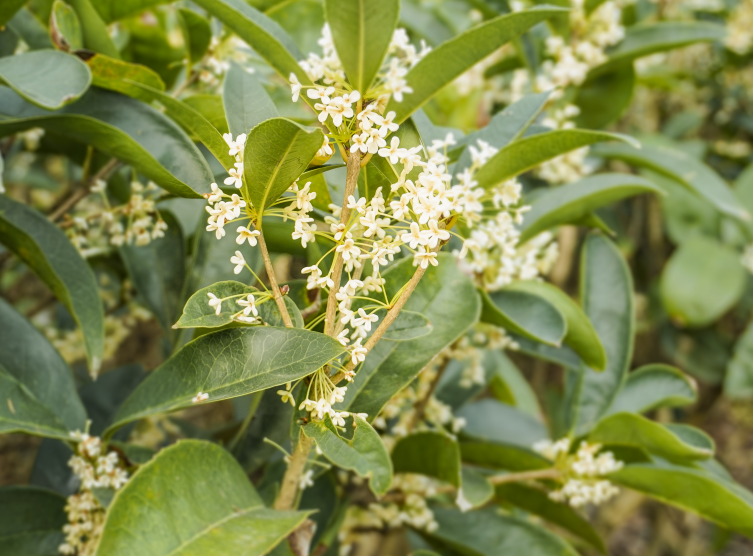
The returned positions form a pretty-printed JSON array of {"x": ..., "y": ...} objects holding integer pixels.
[
  {"x": 297, "y": 464},
  {"x": 104, "y": 173},
  {"x": 550, "y": 473},
  {"x": 313, "y": 309},
  {"x": 273, "y": 281}
]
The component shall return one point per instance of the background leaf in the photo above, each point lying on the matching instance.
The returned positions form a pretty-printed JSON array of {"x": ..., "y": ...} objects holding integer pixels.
[
  {"x": 524, "y": 313},
  {"x": 31, "y": 521},
  {"x": 246, "y": 101},
  {"x": 654, "y": 386},
  {"x": 197, "y": 34},
  {"x": 22, "y": 412},
  {"x": 431, "y": 453}
]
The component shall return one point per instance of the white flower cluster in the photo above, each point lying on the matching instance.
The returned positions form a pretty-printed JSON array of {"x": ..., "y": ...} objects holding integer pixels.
[
  {"x": 216, "y": 62},
  {"x": 85, "y": 515},
  {"x": 248, "y": 313},
  {"x": 581, "y": 472},
  {"x": 739, "y": 37}
]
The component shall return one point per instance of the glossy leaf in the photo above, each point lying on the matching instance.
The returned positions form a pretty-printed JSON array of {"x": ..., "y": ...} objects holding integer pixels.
[
  {"x": 49, "y": 253},
  {"x": 652, "y": 387},
  {"x": 682, "y": 167},
  {"x": 487, "y": 533},
  {"x": 364, "y": 453},
  {"x": 431, "y": 453},
  {"x": 228, "y": 364},
  {"x": 524, "y": 313},
  {"x": 570, "y": 202},
  {"x": 31, "y": 521},
  {"x": 448, "y": 299},
  {"x": 49, "y": 79},
  {"x": 197, "y": 34},
  {"x": 65, "y": 28},
  {"x": 122, "y": 127},
  {"x": 246, "y": 101},
  {"x": 22, "y": 412},
  {"x": 362, "y": 31},
  {"x": 123, "y": 77},
  {"x": 701, "y": 281},
  {"x": 527, "y": 153},
  {"x": 712, "y": 497},
  {"x": 157, "y": 270},
  {"x": 607, "y": 297},
  {"x": 213, "y": 508},
  {"x": 452, "y": 58},
  {"x": 536, "y": 501},
  {"x": 580, "y": 335},
  {"x": 277, "y": 152}
]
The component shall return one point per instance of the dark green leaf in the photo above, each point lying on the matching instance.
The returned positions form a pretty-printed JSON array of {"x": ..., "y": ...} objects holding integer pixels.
[
  {"x": 508, "y": 385},
  {"x": 23, "y": 412},
  {"x": 492, "y": 421},
  {"x": 431, "y": 453},
  {"x": 654, "y": 386},
  {"x": 197, "y": 34},
  {"x": 113, "y": 10},
  {"x": 122, "y": 127},
  {"x": 246, "y": 101},
  {"x": 31, "y": 521},
  {"x": 96, "y": 37},
  {"x": 524, "y": 313},
  {"x": 103, "y": 397},
  {"x": 738, "y": 381},
  {"x": 227, "y": 364},
  {"x": 26, "y": 26},
  {"x": 408, "y": 325},
  {"x": 9, "y": 9},
  {"x": 213, "y": 508},
  {"x": 604, "y": 97},
  {"x": 49, "y": 253}
]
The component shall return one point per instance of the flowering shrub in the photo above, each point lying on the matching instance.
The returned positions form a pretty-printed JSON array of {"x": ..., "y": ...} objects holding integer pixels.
[{"x": 348, "y": 282}]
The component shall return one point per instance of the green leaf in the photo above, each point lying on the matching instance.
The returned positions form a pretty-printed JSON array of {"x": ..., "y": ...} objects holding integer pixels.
[
  {"x": 654, "y": 386},
  {"x": 527, "y": 153},
  {"x": 362, "y": 31},
  {"x": 571, "y": 202},
  {"x": 607, "y": 297},
  {"x": 536, "y": 501},
  {"x": 448, "y": 299},
  {"x": 649, "y": 38},
  {"x": 157, "y": 271},
  {"x": 261, "y": 33},
  {"x": 113, "y": 10},
  {"x": 213, "y": 508},
  {"x": 508, "y": 385},
  {"x": 408, "y": 325},
  {"x": 65, "y": 27},
  {"x": 487, "y": 533},
  {"x": 48, "y": 78},
  {"x": 48, "y": 252},
  {"x": 103, "y": 397},
  {"x": 524, "y": 313},
  {"x": 31, "y": 360},
  {"x": 96, "y": 37},
  {"x": 191, "y": 120},
  {"x": 209, "y": 106},
  {"x": 246, "y": 101},
  {"x": 197, "y": 34},
  {"x": 505, "y": 127},
  {"x": 712, "y": 497},
  {"x": 629, "y": 429},
  {"x": 502, "y": 456},
  {"x": 563, "y": 355},
  {"x": 452, "y": 58},
  {"x": 26, "y": 26},
  {"x": 682, "y": 167},
  {"x": 117, "y": 75},
  {"x": 23, "y": 412},
  {"x": 276, "y": 154},
  {"x": 580, "y": 335},
  {"x": 364, "y": 453},
  {"x": 121, "y": 127},
  {"x": 31, "y": 521},
  {"x": 431, "y": 453},
  {"x": 701, "y": 281},
  {"x": 492, "y": 421},
  {"x": 738, "y": 381},
  {"x": 477, "y": 490},
  {"x": 8, "y": 9},
  {"x": 228, "y": 364},
  {"x": 605, "y": 96}
]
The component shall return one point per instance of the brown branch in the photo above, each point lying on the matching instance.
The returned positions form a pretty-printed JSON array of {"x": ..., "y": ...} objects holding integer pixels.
[
  {"x": 273, "y": 281},
  {"x": 550, "y": 473},
  {"x": 289, "y": 488},
  {"x": 103, "y": 174}
]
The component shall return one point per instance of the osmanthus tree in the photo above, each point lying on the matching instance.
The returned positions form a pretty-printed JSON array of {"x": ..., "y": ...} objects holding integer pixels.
[{"x": 373, "y": 394}]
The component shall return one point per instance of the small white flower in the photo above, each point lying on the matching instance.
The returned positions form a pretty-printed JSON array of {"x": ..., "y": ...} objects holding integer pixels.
[
  {"x": 245, "y": 234},
  {"x": 238, "y": 261},
  {"x": 200, "y": 397},
  {"x": 425, "y": 258},
  {"x": 306, "y": 480},
  {"x": 358, "y": 352},
  {"x": 215, "y": 302},
  {"x": 295, "y": 86},
  {"x": 249, "y": 304}
]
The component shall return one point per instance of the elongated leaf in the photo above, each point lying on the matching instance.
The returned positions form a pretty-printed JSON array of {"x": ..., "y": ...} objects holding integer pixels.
[
  {"x": 646, "y": 39},
  {"x": 607, "y": 297},
  {"x": 563, "y": 355},
  {"x": 364, "y": 453},
  {"x": 96, "y": 37},
  {"x": 246, "y": 101},
  {"x": 701, "y": 281},
  {"x": 261, "y": 33},
  {"x": 228, "y": 364},
  {"x": 571, "y": 202},
  {"x": 605, "y": 96},
  {"x": 65, "y": 28},
  {"x": 629, "y": 429},
  {"x": 492, "y": 421},
  {"x": 505, "y": 127},
  {"x": 487, "y": 533},
  {"x": 537, "y": 502},
  {"x": 9, "y": 9},
  {"x": 23, "y": 412},
  {"x": 682, "y": 167},
  {"x": 197, "y": 34},
  {"x": 49, "y": 253},
  {"x": 113, "y": 10},
  {"x": 524, "y": 313},
  {"x": 580, "y": 335},
  {"x": 695, "y": 490},
  {"x": 430, "y": 453},
  {"x": 26, "y": 26},
  {"x": 32, "y": 361},
  {"x": 362, "y": 31},
  {"x": 277, "y": 152},
  {"x": 121, "y": 127},
  {"x": 448, "y": 299},
  {"x": 476, "y": 490},
  {"x": 49, "y": 79},
  {"x": 213, "y": 508},
  {"x": 157, "y": 270},
  {"x": 738, "y": 381},
  {"x": 525, "y": 154},
  {"x": 508, "y": 385},
  {"x": 654, "y": 386},
  {"x": 31, "y": 521},
  {"x": 452, "y": 58},
  {"x": 119, "y": 76}
]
